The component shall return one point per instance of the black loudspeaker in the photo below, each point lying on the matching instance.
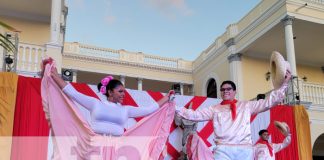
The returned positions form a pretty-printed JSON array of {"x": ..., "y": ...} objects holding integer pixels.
[{"x": 67, "y": 75}]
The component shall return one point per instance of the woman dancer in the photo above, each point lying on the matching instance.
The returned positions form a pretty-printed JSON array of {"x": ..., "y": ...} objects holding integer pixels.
[{"x": 107, "y": 118}]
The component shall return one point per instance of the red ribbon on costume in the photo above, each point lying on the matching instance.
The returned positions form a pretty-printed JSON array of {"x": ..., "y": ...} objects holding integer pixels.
[
  {"x": 232, "y": 104},
  {"x": 266, "y": 143}
]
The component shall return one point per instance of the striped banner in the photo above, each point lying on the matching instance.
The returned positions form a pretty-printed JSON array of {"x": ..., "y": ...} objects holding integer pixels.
[{"x": 29, "y": 120}]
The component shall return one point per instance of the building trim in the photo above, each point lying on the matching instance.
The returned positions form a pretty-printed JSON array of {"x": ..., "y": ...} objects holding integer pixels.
[
  {"x": 246, "y": 31},
  {"x": 316, "y": 121},
  {"x": 318, "y": 108},
  {"x": 257, "y": 22},
  {"x": 24, "y": 15},
  {"x": 211, "y": 56}
]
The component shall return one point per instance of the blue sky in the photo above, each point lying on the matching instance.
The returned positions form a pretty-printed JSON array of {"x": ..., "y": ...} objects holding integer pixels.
[{"x": 170, "y": 28}]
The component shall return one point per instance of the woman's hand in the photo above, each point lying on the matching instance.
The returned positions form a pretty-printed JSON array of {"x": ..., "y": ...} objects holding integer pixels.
[
  {"x": 166, "y": 98},
  {"x": 171, "y": 92},
  {"x": 54, "y": 72},
  {"x": 44, "y": 63},
  {"x": 170, "y": 95}
]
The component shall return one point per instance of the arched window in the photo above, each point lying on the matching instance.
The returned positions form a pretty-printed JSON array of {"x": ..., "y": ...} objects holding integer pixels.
[
  {"x": 318, "y": 148},
  {"x": 212, "y": 88}
]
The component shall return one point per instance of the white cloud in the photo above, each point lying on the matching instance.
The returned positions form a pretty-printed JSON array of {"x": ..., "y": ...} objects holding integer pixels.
[
  {"x": 109, "y": 18},
  {"x": 170, "y": 8}
]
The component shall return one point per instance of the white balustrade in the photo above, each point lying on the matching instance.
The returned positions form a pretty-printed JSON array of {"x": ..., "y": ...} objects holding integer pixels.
[
  {"x": 309, "y": 92},
  {"x": 98, "y": 52},
  {"x": 126, "y": 56},
  {"x": 160, "y": 61},
  {"x": 315, "y": 1},
  {"x": 29, "y": 56}
]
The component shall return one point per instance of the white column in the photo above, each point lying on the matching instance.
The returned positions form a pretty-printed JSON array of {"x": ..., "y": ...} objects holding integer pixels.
[
  {"x": 181, "y": 88},
  {"x": 192, "y": 90},
  {"x": 236, "y": 73},
  {"x": 122, "y": 79},
  {"x": 290, "y": 48},
  {"x": 234, "y": 60},
  {"x": 74, "y": 73},
  {"x": 55, "y": 21},
  {"x": 139, "y": 84}
]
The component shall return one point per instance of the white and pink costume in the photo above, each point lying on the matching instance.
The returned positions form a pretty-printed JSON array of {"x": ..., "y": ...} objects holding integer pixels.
[
  {"x": 233, "y": 135},
  {"x": 103, "y": 137},
  {"x": 263, "y": 152}
]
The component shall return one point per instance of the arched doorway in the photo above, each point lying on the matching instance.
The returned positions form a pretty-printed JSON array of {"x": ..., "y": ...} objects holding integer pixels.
[
  {"x": 212, "y": 88},
  {"x": 318, "y": 149}
]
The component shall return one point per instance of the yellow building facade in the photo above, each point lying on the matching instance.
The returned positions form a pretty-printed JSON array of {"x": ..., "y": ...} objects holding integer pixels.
[{"x": 295, "y": 28}]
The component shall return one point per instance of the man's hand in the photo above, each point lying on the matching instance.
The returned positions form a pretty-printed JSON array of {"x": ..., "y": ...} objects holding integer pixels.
[
  {"x": 288, "y": 73},
  {"x": 283, "y": 127}
]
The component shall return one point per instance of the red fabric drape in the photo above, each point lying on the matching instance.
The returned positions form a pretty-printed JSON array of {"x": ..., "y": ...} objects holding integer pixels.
[
  {"x": 30, "y": 129},
  {"x": 284, "y": 114}
]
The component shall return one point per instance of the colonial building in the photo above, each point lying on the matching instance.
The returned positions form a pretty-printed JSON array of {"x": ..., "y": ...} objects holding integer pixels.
[{"x": 295, "y": 28}]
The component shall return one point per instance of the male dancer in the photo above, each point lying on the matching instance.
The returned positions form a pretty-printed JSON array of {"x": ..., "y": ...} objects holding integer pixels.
[{"x": 231, "y": 120}]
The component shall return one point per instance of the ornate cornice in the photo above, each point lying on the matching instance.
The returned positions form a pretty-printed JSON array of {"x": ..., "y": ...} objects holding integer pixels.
[
  {"x": 265, "y": 16},
  {"x": 211, "y": 56},
  {"x": 125, "y": 63},
  {"x": 288, "y": 20},
  {"x": 234, "y": 57},
  {"x": 230, "y": 42}
]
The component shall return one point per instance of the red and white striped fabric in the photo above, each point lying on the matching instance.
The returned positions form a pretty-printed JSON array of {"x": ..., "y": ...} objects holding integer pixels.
[
  {"x": 29, "y": 117},
  {"x": 145, "y": 98}
]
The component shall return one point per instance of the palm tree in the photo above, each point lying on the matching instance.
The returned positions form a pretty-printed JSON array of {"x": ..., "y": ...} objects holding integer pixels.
[{"x": 4, "y": 41}]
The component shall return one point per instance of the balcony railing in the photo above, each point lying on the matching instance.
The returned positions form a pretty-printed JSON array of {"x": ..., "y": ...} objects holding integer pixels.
[
  {"x": 29, "y": 57},
  {"x": 312, "y": 92},
  {"x": 126, "y": 56},
  {"x": 309, "y": 93}
]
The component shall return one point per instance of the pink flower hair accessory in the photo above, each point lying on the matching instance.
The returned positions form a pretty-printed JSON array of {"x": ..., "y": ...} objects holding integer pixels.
[{"x": 104, "y": 83}]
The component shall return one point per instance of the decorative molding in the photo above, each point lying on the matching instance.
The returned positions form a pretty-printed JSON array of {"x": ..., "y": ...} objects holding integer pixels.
[
  {"x": 53, "y": 45},
  {"x": 316, "y": 121},
  {"x": 234, "y": 57},
  {"x": 132, "y": 75},
  {"x": 211, "y": 56},
  {"x": 288, "y": 20},
  {"x": 230, "y": 42},
  {"x": 26, "y": 16},
  {"x": 318, "y": 108},
  {"x": 28, "y": 74},
  {"x": 265, "y": 16}
]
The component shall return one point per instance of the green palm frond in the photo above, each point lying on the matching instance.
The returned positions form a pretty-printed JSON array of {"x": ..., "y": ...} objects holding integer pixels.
[
  {"x": 4, "y": 41},
  {"x": 7, "y": 44}
]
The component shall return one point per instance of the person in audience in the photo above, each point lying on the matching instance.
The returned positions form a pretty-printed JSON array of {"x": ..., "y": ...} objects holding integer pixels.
[
  {"x": 263, "y": 150},
  {"x": 189, "y": 127}
]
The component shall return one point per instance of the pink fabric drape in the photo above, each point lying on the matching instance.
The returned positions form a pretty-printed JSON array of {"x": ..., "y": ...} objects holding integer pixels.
[
  {"x": 197, "y": 149},
  {"x": 72, "y": 135}
]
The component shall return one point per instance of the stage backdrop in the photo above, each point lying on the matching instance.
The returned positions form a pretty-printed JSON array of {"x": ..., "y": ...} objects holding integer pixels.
[{"x": 29, "y": 122}]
